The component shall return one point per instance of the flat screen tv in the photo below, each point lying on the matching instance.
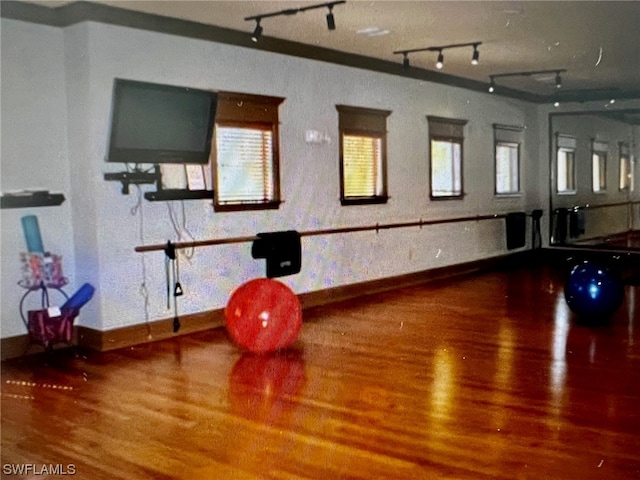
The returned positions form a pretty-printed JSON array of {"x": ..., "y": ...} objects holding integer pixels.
[{"x": 154, "y": 123}]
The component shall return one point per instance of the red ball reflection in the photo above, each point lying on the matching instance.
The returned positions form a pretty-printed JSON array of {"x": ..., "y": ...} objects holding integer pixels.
[
  {"x": 263, "y": 315},
  {"x": 263, "y": 388}
]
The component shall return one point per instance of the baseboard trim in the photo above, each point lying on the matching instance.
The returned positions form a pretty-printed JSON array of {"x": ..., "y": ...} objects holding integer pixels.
[
  {"x": 148, "y": 332},
  {"x": 162, "y": 329},
  {"x": 371, "y": 287},
  {"x": 20, "y": 346}
]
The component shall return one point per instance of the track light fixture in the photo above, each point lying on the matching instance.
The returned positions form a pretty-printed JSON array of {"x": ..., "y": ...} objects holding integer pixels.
[
  {"x": 331, "y": 21},
  {"x": 475, "y": 59},
  {"x": 440, "y": 62},
  {"x": 405, "y": 61},
  {"x": 558, "y": 79},
  {"x": 257, "y": 33}
]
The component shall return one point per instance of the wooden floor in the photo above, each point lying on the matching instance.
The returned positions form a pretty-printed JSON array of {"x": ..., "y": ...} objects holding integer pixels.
[{"x": 486, "y": 377}]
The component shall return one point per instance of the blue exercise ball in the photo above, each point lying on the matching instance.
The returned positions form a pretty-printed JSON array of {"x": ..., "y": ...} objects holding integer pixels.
[{"x": 593, "y": 291}]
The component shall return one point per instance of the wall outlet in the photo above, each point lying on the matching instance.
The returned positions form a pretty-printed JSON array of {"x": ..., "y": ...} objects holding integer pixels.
[{"x": 315, "y": 136}]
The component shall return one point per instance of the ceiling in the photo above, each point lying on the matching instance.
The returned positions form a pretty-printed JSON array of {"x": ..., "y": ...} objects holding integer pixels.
[{"x": 597, "y": 42}]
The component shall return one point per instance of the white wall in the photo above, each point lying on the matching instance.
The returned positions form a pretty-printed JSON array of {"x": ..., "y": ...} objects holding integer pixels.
[
  {"x": 103, "y": 226},
  {"x": 34, "y": 154}
]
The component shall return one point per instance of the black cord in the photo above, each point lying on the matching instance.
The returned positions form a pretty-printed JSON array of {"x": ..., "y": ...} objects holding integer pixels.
[{"x": 171, "y": 258}]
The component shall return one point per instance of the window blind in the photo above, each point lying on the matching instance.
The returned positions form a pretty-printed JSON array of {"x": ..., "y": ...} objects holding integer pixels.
[
  {"x": 362, "y": 166},
  {"x": 246, "y": 151},
  {"x": 566, "y": 141},
  {"x": 446, "y": 127},
  {"x": 599, "y": 146},
  {"x": 245, "y": 165},
  {"x": 446, "y": 168},
  {"x": 626, "y": 167},
  {"x": 625, "y": 151},
  {"x": 363, "y": 154},
  {"x": 508, "y": 139},
  {"x": 446, "y": 138},
  {"x": 508, "y": 133}
]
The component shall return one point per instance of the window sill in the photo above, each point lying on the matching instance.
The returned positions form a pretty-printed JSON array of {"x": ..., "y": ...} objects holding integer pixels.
[
  {"x": 509, "y": 195},
  {"x": 363, "y": 201},
  {"x": 439, "y": 198},
  {"x": 239, "y": 207}
]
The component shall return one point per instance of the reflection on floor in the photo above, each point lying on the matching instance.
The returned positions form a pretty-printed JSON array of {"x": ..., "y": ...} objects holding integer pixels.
[{"x": 627, "y": 240}]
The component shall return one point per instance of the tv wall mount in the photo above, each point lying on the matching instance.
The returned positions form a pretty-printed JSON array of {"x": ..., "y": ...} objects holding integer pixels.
[{"x": 135, "y": 177}]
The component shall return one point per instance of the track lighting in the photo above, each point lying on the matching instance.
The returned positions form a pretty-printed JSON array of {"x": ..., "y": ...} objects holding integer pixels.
[
  {"x": 257, "y": 33},
  {"x": 405, "y": 61},
  {"x": 558, "y": 79},
  {"x": 331, "y": 21},
  {"x": 476, "y": 55},
  {"x": 440, "y": 62}
]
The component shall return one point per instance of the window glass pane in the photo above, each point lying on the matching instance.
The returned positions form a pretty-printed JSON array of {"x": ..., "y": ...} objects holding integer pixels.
[
  {"x": 566, "y": 171},
  {"x": 599, "y": 172},
  {"x": 362, "y": 167},
  {"x": 245, "y": 165},
  {"x": 446, "y": 168},
  {"x": 507, "y": 168},
  {"x": 626, "y": 173}
]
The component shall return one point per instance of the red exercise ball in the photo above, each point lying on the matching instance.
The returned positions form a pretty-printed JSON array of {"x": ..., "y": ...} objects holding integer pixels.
[{"x": 263, "y": 315}]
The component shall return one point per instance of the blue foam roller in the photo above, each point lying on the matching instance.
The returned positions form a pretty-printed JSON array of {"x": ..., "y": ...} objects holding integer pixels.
[
  {"x": 82, "y": 296},
  {"x": 32, "y": 234}
]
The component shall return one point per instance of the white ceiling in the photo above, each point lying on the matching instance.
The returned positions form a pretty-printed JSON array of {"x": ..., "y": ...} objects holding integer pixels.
[{"x": 597, "y": 42}]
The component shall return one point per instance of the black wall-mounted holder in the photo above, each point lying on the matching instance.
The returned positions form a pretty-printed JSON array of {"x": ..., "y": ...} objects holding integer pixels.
[
  {"x": 42, "y": 198},
  {"x": 137, "y": 177},
  {"x": 140, "y": 177},
  {"x": 178, "y": 194}
]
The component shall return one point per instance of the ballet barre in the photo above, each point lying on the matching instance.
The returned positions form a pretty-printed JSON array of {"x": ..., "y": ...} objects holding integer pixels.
[{"x": 328, "y": 231}]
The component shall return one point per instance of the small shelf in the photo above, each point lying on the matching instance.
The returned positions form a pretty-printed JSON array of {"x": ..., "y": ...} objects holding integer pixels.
[
  {"x": 31, "y": 199},
  {"x": 178, "y": 194}
]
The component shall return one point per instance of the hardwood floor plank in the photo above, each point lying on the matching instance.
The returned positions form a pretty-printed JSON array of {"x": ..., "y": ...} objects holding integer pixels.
[{"x": 485, "y": 377}]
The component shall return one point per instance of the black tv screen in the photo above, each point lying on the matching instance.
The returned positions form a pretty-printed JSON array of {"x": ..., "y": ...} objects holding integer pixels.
[{"x": 154, "y": 123}]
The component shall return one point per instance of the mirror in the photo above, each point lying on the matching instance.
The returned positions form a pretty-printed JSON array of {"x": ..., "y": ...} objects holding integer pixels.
[{"x": 594, "y": 182}]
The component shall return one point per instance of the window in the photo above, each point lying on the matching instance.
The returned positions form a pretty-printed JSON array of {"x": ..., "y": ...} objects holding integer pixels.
[
  {"x": 626, "y": 168},
  {"x": 246, "y": 152},
  {"x": 363, "y": 155},
  {"x": 507, "y": 158},
  {"x": 446, "y": 137},
  {"x": 565, "y": 164},
  {"x": 599, "y": 165}
]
